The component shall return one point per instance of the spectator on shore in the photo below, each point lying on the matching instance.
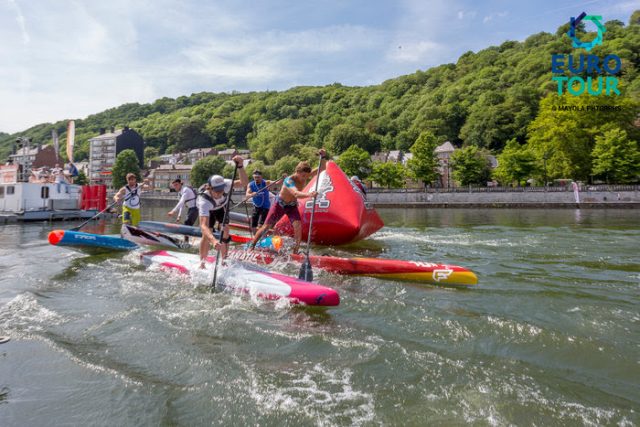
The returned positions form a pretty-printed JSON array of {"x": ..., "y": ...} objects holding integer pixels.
[{"x": 359, "y": 185}]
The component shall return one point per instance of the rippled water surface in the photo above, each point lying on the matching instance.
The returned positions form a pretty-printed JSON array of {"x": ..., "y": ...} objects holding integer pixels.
[{"x": 550, "y": 336}]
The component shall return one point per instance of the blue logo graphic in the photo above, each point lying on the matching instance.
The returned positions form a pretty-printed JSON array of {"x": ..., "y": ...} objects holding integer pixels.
[{"x": 577, "y": 43}]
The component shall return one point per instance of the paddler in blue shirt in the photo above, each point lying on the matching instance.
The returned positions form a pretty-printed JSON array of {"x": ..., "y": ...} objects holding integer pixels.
[
  {"x": 287, "y": 202},
  {"x": 257, "y": 189}
]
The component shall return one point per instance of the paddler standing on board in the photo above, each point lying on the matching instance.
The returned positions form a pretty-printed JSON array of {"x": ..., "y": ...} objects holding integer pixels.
[
  {"x": 130, "y": 193},
  {"x": 287, "y": 201},
  {"x": 211, "y": 203},
  {"x": 261, "y": 198}
]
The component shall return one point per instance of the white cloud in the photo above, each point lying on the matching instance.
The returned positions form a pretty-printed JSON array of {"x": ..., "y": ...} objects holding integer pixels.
[
  {"x": 415, "y": 51},
  {"x": 20, "y": 20},
  {"x": 626, "y": 6},
  {"x": 467, "y": 14},
  {"x": 493, "y": 16}
]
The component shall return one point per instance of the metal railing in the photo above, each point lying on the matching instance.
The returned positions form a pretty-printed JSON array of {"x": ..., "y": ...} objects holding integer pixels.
[{"x": 473, "y": 189}]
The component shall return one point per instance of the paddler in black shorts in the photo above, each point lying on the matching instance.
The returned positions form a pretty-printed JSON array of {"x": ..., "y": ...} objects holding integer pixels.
[{"x": 287, "y": 201}]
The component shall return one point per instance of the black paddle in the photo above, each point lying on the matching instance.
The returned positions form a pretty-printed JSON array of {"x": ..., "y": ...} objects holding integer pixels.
[
  {"x": 224, "y": 221},
  {"x": 93, "y": 217},
  {"x": 306, "y": 273},
  {"x": 250, "y": 197},
  {"x": 100, "y": 213}
]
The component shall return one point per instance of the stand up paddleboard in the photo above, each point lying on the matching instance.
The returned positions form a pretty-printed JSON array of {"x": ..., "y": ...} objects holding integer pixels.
[
  {"x": 393, "y": 269},
  {"x": 247, "y": 278}
]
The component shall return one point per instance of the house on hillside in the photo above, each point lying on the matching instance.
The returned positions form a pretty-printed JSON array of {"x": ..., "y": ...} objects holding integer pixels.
[
  {"x": 104, "y": 148},
  {"x": 443, "y": 153},
  {"x": 161, "y": 177},
  {"x": 228, "y": 153},
  {"x": 200, "y": 153},
  {"x": 35, "y": 157}
]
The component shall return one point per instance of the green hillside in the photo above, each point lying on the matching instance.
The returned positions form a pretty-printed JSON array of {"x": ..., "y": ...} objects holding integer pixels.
[{"x": 486, "y": 99}]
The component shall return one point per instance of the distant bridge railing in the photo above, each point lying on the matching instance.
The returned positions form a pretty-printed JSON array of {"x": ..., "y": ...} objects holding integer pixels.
[{"x": 474, "y": 189}]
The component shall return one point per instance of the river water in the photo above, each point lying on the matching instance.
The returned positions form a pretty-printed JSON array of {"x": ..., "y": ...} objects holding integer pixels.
[{"x": 550, "y": 336}]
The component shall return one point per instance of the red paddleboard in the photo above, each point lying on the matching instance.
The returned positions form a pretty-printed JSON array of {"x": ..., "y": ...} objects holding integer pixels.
[
  {"x": 393, "y": 269},
  {"x": 342, "y": 213}
]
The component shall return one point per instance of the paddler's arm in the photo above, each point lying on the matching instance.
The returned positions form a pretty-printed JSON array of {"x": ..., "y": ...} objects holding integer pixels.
[
  {"x": 118, "y": 196},
  {"x": 249, "y": 193},
  {"x": 323, "y": 164},
  {"x": 299, "y": 194},
  {"x": 206, "y": 232},
  {"x": 243, "y": 181}
]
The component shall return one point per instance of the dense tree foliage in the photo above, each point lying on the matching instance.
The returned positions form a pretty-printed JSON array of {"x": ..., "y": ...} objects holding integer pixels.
[
  {"x": 470, "y": 165},
  {"x": 616, "y": 158},
  {"x": 485, "y": 99},
  {"x": 355, "y": 161},
  {"x": 204, "y": 168},
  {"x": 516, "y": 163},
  {"x": 388, "y": 174},
  {"x": 126, "y": 162},
  {"x": 423, "y": 165}
]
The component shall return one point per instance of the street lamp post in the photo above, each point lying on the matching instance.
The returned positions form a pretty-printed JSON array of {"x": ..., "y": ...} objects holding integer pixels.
[
  {"x": 545, "y": 156},
  {"x": 24, "y": 143}
]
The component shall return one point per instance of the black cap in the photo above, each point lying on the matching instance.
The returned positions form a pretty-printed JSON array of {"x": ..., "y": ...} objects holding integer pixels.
[{"x": 177, "y": 181}]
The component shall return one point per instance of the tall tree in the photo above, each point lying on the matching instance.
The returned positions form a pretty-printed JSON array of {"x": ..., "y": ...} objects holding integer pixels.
[
  {"x": 388, "y": 174},
  {"x": 470, "y": 166},
  {"x": 616, "y": 157},
  {"x": 566, "y": 127},
  {"x": 205, "y": 167},
  {"x": 424, "y": 163},
  {"x": 355, "y": 161},
  {"x": 516, "y": 163},
  {"x": 126, "y": 162}
]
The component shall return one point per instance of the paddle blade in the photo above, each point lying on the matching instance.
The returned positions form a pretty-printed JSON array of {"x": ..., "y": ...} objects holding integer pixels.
[{"x": 306, "y": 273}]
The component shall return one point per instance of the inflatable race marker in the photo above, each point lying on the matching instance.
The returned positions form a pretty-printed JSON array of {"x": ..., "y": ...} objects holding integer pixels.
[{"x": 342, "y": 213}]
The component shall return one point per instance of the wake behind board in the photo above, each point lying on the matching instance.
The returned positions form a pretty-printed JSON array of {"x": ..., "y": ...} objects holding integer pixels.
[{"x": 245, "y": 278}]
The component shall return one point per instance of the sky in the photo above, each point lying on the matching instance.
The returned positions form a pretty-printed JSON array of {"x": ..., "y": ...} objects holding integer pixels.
[{"x": 68, "y": 59}]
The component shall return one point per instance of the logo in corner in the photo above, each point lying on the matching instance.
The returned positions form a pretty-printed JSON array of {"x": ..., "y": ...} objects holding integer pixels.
[
  {"x": 577, "y": 43},
  {"x": 439, "y": 275}
]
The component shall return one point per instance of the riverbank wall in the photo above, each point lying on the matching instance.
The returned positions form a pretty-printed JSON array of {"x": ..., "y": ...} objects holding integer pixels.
[
  {"x": 507, "y": 199},
  {"x": 526, "y": 197}
]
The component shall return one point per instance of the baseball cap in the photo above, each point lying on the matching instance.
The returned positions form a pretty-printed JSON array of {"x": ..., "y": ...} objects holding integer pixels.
[
  {"x": 177, "y": 181},
  {"x": 217, "y": 182}
]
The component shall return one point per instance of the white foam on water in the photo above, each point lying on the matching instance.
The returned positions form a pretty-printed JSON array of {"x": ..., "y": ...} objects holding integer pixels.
[
  {"x": 516, "y": 329},
  {"x": 25, "y": 318},
  {"x": 23, "y": 314},
  {"x": 324, "y": 395}
]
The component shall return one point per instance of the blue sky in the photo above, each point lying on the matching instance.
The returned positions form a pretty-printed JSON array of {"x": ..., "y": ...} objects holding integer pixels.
[{"x": 71, "y": 58}]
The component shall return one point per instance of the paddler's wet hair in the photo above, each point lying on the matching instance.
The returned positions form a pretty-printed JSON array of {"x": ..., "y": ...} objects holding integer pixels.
[{"x": 303, "y": 167}]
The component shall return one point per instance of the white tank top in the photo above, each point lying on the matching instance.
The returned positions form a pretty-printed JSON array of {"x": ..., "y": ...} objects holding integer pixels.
[{"x": 131, "y": 197}]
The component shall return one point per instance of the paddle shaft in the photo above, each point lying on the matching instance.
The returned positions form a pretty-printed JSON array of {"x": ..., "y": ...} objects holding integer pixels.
[
  {"x": 306, "y": 271},
  {"x": 250, "y": 197},
  {"x": 224, "y": 221},
  {"x": 94, "y": 217},
  {"x": 100, "y": 213}
]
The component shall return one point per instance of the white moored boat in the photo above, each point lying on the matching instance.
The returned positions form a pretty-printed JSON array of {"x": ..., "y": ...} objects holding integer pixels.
[{"x": 37, "y": 201}]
